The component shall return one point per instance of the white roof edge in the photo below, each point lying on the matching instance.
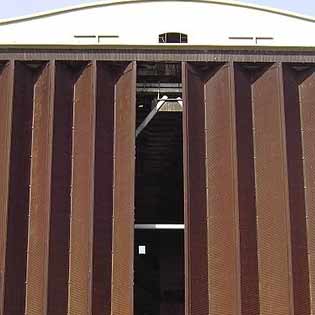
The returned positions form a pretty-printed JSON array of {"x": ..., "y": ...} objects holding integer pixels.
[{"x": 115, "y": 2}]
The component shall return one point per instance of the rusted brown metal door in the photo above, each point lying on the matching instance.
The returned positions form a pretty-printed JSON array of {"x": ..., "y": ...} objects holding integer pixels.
[
  {"x": 82, "y": 192},
  {"x": 212, "y": 283},
  {"x": 67, "y": 165},
  {"x": 195, "y": 199},
  {"x": 90, "y": 142},
  {"x": 272, "y": 203},
  {"x": 123, "y": 209},
  {"x": 102, "y": 208},
  {"x": 61, "y": 173},
  {"x": 264, "y": 207},
  {"x": 39, "y": 204},
  {"x": 6, "y": 96},
  {"x": 67, "y": 149},
  {"x": 299, "y": 112},
  {"x": 305, "y": 280},
  {"x": 255, "y": 125},
  {"x": 25, "y": 76}
]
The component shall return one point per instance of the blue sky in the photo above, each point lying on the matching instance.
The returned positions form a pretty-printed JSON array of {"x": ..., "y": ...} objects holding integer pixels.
[{"x": 14, "y": 8}]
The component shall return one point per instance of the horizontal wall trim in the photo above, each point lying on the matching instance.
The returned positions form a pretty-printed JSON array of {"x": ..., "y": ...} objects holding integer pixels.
[
  {"x": 159, "y": 226},
  {"x": 291, "y": 55}
]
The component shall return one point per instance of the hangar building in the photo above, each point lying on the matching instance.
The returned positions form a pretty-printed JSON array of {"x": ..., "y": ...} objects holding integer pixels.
[{"x": 157, "y": 158}]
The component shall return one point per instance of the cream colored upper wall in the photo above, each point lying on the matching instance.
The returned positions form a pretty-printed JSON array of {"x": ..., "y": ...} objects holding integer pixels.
[{"x": 207, "y": 23}]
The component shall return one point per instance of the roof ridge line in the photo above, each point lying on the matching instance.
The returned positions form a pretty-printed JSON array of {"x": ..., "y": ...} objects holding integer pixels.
[{"x": 117, "y": 2}]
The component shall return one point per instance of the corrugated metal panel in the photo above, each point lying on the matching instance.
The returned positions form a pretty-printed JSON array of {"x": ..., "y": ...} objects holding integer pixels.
[
  {"x": 223, "y": 244},
  {"x": 299, "y": 251},
  {"x": 249, "y": 172},
  {"x": 123, "y": 220},
  {"x": 277, "y": 202},
  {"x": 196, "y": 249},
  {"x": 246, "y": 192},
  {"x": 58, "y": 267},
  {"x": 306, "y": 81},
  {"x": 124, "y": 170},
  {"x": 273, "y": 229},
  {"x": 17, "y": 224},
  {"x": 6, "y": 95},
  {"x": 39, "y": 209},
  {"x": 82, "y": 195},
  {"x": 103, "y": 194}
]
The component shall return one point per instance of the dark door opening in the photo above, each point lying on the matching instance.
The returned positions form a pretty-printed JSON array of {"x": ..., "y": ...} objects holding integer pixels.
[
  {"x": 159, "y": 209},
  {"x": 159, "y": 270}
]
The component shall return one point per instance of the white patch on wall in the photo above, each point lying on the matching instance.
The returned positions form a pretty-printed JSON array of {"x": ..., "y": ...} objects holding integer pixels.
[{"x": 142, "y": 250}]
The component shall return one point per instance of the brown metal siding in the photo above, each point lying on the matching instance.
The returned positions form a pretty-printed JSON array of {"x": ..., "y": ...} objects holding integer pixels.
[
  {"x": 17, "y": 222},
  {"x": 306, "y": 88},
  {"x": 103, "y": 190},
  {"x": 60, "y": 112},
  {"x": 221, "y": 193},
  {"x": 212, "y": 241},
  {"x": 298, "y": 219},
  {"x": 196, "y": 271},
  {"x": 39, "y": 209},
  {"x": 6, "y": 94},
  {"x": 123, "y": 190},
  {"x": 81, "y": 222},
  {"x": 58, "y": 265},
  {"x": 246, "y": 192},
  {"x": 252, "y": 118},
  {"x": 273, "y": 230},
  {"x": 67, "y": 148}
]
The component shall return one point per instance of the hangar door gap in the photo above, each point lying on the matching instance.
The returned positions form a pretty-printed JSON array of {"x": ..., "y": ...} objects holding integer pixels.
[{"x": 159, "y": 197}]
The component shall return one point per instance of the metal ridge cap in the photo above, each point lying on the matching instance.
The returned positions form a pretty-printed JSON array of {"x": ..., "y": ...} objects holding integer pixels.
[{"x": 116, "y": 2}]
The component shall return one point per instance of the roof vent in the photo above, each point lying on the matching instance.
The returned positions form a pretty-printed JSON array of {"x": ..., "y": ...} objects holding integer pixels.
[{"x": 178, "y": 38}]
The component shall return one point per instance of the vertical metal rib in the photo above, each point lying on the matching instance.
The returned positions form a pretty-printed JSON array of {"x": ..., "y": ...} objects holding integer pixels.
[
  {"x": 17, "y": 221},
  {"x": 246, "y": 192},
  {"x": 222, "y": 207},
  {"x": 6, "y": 95},
  {"x": 39, "y": 209},
  {"x": 301, "y": 292},
  {"x": 273, "y": 221},
  {"x": 80, "y": 269},
  {"x": 58, "y": 266},
  {"x": 196, "y": 254},
  {"x": 124, "y": 172},
  {"x": 306, "y": 87},
  {"x": 103, "y": 190}
]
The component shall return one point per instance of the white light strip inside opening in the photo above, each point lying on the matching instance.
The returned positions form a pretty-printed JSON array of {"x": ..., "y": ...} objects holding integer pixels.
[{"x": 159, "y": 226}]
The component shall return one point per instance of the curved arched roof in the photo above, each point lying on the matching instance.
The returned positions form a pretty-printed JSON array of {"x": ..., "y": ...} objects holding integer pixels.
[
  {"x": 115, "y": 2},
  {"x": 206, "y": 22}
]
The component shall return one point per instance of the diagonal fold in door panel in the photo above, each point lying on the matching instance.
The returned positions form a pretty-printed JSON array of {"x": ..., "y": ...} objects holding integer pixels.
[
  {"x": 113, "y": 189},
  {"x": 6, "y": 107},
  {"x": 82, "y": 199},
  {"x": 25, "y": 77},
  {"x": 211, "y": 212},
  {"x": 196, "y": 260},
  {"x": 123, "y": 191},
  {"x": 40, "y": 187}
]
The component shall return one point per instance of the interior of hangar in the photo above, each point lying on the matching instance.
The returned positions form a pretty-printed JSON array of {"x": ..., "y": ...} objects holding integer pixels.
[{"x": 159, "y": 286}]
